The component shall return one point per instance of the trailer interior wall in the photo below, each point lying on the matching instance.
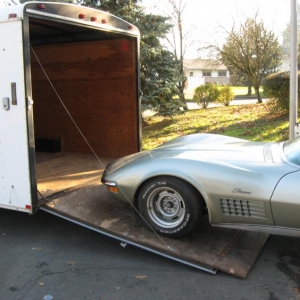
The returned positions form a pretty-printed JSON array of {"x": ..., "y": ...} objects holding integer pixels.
[{"x": 95, "y": 75}]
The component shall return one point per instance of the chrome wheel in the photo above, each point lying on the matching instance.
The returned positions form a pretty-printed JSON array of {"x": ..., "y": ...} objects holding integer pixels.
[
  {"x": 169, "y": 205},
  {"x": 165, "y": 207}
]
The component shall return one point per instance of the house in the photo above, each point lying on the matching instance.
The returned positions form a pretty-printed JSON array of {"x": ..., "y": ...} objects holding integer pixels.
[{"x": 201, "y": 71}]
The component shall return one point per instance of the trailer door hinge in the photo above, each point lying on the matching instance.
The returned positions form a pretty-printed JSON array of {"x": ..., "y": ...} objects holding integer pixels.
[{"x": 29, "y": 103}]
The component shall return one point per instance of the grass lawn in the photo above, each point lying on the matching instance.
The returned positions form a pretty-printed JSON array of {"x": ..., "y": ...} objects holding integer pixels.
[
  {"x": 256, "y": 122},
  {"x": 241, "y": 92}
]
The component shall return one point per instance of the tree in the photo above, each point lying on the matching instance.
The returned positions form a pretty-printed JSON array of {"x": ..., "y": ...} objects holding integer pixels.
[
  {"x": 252, "y": 50},
  {"x": 179, "y": 40},
  {"x": 126, "y": 9},
  {"x": 158, "y": 66},
  {"x": 177, "y": 13},
  {"x": 239, "y": 78}
]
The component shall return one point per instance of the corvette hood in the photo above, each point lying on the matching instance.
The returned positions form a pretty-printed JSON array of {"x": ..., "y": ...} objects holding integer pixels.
[
  {"x": 203, "y": 147},
  {"x": 207, "y": 147}
]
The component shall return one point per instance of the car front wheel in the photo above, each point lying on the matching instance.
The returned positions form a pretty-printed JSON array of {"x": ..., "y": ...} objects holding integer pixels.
[{"x": 170, "y": 206}]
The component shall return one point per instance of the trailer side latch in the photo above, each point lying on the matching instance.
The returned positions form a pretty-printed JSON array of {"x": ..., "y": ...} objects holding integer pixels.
[{"x": 29, "y": 103}]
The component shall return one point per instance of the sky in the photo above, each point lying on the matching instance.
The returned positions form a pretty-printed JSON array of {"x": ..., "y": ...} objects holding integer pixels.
[{"x": 209, "y": 16}]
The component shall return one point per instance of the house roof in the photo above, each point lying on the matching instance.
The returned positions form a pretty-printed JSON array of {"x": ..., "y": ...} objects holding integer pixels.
[{"x": 203, "y": 64}]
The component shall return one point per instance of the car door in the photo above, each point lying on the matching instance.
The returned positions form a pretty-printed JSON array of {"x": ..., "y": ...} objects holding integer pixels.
[{"x": 285, "y": 201}]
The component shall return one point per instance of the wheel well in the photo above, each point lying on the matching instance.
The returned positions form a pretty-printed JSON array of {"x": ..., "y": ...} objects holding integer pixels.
[{"x": 167, "y": 176}]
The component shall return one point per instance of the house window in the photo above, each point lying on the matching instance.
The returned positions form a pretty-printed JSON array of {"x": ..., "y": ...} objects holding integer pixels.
[
  {"x": 206, "y": 73},
  {"x": 191, "y": 74},
  {"x": 222, "y": 73}
]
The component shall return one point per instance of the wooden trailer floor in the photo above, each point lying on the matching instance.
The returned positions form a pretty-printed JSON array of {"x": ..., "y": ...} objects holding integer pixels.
[{"x": 71, "y": 184}]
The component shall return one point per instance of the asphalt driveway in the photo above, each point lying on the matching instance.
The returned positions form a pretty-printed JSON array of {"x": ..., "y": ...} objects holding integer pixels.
[{"x": 43, "y": 255}]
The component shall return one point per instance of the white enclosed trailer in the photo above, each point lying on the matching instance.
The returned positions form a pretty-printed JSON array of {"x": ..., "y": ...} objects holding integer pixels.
[
  {"x": 70, "y": 90},
  {"x": 84, "y": 58}
]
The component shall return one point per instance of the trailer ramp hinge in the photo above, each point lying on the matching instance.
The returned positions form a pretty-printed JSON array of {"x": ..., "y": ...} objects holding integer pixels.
[{"x": 29, "y": 103}]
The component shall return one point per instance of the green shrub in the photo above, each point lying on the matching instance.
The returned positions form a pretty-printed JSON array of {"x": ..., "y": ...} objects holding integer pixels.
[
  {"x": 226, "y": 95},
  {"x": 277, "y": 87},
  {"x": 205, "y": 94}
]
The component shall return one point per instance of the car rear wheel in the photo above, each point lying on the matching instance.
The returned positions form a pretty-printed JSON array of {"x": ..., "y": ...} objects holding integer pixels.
[{"x": 170, "y": 206}]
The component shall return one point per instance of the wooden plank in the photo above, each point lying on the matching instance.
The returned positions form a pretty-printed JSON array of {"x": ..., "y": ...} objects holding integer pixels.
[
  {"x": 97, "y": 83},
  {"x": 226, "y": 250},
  {"x": 59, "y": 171},
  {"x": 230, "y": 251}
]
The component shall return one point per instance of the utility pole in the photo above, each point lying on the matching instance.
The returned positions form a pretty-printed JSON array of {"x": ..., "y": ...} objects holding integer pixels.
[{"x": 293, "y": 128}]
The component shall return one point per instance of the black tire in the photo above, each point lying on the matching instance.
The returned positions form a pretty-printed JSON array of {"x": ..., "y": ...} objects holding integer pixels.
[{"x": 170, "y": 206}]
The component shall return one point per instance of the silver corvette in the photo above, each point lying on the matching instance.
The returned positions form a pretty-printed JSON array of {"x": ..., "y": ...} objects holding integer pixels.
[{"x": 238, "y": 183}]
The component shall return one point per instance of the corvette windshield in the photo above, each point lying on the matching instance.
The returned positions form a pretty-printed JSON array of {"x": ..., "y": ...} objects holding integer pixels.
[{"x": 291, "y": 151}]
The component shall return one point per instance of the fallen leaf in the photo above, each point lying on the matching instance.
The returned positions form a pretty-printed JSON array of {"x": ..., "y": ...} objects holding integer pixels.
[{"x": 141, "y": 277}]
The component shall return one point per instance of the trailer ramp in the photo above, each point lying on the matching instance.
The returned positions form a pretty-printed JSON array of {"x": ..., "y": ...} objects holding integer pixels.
[{"x": 206, "y": 248}]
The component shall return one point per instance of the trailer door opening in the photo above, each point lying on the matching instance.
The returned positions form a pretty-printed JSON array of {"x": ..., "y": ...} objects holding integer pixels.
[{"x": 90, "y": 75}]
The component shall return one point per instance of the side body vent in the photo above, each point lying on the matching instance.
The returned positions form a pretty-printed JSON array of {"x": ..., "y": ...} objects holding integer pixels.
[{"x": 243, "y": 208}]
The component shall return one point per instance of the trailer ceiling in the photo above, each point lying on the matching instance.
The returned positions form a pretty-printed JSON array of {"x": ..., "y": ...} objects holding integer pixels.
[{"x": 44, "y": 32}]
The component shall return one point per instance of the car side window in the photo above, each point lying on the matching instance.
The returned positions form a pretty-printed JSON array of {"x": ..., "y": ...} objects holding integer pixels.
[{"x": 291, "y": 151}]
